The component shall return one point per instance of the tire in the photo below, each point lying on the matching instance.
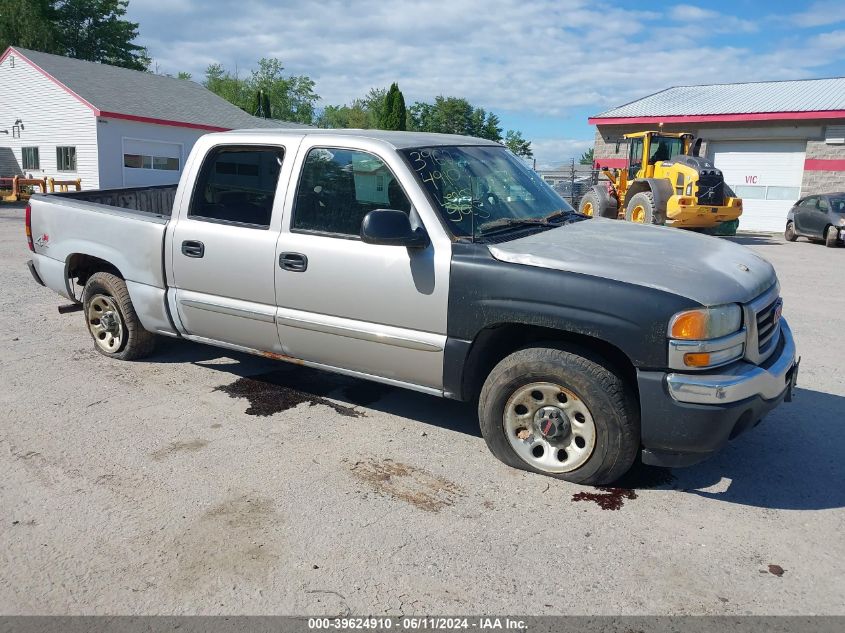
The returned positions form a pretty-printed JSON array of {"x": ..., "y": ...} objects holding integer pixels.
[
  {"x": 111, "y": 319},
  {"x": 609, "y": 422},
  {"x": 789, "y": 233},
  {"x": 642, "y": 209},
  {"x": 592, "y": 205},
  {"x": 831, "y": 237}
]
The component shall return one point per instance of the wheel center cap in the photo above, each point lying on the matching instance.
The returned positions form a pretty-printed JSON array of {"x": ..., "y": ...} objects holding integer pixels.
[
  {"x": 551, "y": 423},
  {"x": 109, "y": 321}
]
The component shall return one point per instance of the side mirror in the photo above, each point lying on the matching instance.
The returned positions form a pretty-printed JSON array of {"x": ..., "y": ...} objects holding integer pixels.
[{"x": 389, "y": 227}]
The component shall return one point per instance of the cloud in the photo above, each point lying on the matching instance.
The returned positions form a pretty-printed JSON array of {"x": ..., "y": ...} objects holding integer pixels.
[
  {"x": 818, "y": 14},
  {"x": 551, "y": 153},
  {"x": 547, "y": 57},
  {"x": 712, "y": 21}
]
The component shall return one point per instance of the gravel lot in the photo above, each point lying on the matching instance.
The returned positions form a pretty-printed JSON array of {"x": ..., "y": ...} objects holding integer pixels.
[{"x": 200, "y": 481}]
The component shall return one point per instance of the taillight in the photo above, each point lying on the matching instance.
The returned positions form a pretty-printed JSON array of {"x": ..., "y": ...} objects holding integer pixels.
[{"x": 28, "y": 223}]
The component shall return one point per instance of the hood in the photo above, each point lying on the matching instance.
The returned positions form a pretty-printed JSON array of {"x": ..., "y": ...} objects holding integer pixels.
[{"x": 705, "y": 269}]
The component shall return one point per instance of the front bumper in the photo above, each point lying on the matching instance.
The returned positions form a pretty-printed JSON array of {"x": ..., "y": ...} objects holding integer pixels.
[{"x": 687, "y": 417}]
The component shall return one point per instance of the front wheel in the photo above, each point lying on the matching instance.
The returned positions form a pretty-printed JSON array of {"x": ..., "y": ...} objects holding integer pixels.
[
  {"x": 112, "y": 321},
  {"x": 831, "y": 235},
  {"x": 560, "y": 413},
  {"x": 642, "y": 209},
  {"x": 789, "y": 233}
]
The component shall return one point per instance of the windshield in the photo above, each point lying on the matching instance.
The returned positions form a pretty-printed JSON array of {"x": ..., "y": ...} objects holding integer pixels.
[
  {"x": 664, "y": 148},
  {"x": 483, "y": 189},
  {"x": 837, "y": 204}
]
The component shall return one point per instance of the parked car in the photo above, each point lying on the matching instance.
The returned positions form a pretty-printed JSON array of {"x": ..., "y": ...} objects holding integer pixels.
[
  {"x": 389, "y": 256},
  {"x": 819, "y": 217}
]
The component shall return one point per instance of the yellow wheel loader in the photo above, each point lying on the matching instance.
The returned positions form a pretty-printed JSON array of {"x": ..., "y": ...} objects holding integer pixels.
[{"x": 665, "y": 182}]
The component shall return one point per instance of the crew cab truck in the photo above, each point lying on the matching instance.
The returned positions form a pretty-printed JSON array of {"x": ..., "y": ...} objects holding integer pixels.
[{"x": 441, "y": 264}]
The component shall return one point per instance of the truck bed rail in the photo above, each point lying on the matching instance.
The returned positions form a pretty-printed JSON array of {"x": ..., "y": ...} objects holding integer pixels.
[{"x": 158, "y": 199}]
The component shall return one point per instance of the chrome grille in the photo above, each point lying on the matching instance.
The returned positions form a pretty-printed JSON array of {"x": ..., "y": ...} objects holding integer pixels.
[
  {"x": 766, "y": 326},
  {"x": 763, "y": 330}
]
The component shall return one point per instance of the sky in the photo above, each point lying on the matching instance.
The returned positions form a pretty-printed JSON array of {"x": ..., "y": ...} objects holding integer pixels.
[{"x": 544, "y": 66}]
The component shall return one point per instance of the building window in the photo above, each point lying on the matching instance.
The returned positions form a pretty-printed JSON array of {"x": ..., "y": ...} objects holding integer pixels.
[
  {"x": 66, "y": 158},
  {"x": 137, "y": 161},
  {"x": 30, "y": 159}
]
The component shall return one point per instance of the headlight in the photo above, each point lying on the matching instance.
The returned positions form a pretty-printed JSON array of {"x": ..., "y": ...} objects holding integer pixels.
[
  {"x": 703, "y": 324},
  {"x": 706, "y": 337}
]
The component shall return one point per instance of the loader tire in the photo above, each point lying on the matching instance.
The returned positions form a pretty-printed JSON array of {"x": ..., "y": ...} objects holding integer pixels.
[
  {"x": 642, "y": 209},
  {"x": 592, "y": 206},
  {"x": 112, "y": 321}
]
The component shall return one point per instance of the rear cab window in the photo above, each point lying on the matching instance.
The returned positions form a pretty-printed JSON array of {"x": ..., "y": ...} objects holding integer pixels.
[{"x": 237, "y": 185}]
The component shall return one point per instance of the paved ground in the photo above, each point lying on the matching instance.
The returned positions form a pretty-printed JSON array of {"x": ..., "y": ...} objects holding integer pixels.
[{"x": 181, "y": 485}]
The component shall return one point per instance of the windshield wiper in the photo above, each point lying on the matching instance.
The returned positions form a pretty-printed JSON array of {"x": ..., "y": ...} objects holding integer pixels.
[{"x": 501, "y": 223}]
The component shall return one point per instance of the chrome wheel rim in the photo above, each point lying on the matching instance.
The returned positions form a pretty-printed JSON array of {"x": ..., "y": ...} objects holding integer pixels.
[
  {"x": 549, "y": 427},
  {"x": 105, "y": 323}
]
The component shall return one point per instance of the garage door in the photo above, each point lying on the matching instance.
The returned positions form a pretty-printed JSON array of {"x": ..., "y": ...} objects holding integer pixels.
[
  {"x": 151, "y": 163},
  {"x": 765, "y": 174}
]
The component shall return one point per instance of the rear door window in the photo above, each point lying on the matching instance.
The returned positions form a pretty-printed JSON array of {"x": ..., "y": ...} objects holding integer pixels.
[{"x": 237, "y": 185}]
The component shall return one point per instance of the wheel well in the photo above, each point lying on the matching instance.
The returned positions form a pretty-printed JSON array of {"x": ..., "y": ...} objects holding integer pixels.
[
  {"x": 81, "y": 267},
  {"x": 493, "y": 344},
  {"x": 638, "y": 186}
]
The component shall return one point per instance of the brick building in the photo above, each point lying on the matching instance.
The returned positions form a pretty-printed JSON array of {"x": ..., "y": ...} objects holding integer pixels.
[{"x": 775, "y": 141}]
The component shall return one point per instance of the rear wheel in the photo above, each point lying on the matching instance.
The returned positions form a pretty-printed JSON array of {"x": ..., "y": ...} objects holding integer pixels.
[
  {"x": 642, "y": 209},
  {"x": 831, "y": 235},
  {"x": 560, "y": 413},
  {"x": 112, "y": 321},
  {"x": 789, "y": 233},
  {"x": 589, "y": 204}
]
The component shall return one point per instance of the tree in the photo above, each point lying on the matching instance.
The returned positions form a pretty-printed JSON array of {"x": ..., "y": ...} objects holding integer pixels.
[
  {"x": 394, "y": 116},
  {"x": 95, "y": 30},
  {"x": 518, "y": 145},
  {"x": 363, "y": 113},
  {"x": 262, "y": 107},
  {"x": 28, "y": 24},
  {"x": 587, "y": 157},
  {"x": 454, "y": 115},
  {"x": 290, "y": 98},
  {"x": 183, "y": 75}
]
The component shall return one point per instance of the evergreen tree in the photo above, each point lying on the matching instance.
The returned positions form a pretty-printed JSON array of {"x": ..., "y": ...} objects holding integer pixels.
[{"x": 394, "y": 114}]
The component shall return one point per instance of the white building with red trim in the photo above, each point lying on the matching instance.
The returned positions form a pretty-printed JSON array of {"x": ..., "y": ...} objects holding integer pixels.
[
  {"x": 775, "y": 141},
  {"x": 111, "y": 127}
]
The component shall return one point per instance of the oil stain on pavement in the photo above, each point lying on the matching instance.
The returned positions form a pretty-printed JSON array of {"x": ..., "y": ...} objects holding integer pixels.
[
  {"x": 407, "y": 483},
  {"x": 638, "y": 478},
  {"x": 279, "y": 390}
]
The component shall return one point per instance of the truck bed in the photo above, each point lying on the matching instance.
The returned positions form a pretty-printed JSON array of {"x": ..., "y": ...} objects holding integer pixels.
[
  {"x": 125, "y": 227},
  {"x": 157, "y": 200}
]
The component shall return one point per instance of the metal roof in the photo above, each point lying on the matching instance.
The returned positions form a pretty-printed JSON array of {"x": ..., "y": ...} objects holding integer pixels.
[
  {"x": 798, "y": 96},
  {"x": 398, "y": 140},
  {"x": 134, "y": 94}
]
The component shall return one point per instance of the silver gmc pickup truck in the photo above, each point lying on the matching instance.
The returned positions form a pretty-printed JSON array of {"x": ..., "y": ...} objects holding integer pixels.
[{"x": 442, "y": 264}]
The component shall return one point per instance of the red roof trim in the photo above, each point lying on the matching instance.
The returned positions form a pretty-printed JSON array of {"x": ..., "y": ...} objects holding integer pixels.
[
  {"x": 824, "y": 164},
  {"x": 707, "y": 118},
  {"x": 146, "y": 119},
  {"x": 12, "y": 49}
]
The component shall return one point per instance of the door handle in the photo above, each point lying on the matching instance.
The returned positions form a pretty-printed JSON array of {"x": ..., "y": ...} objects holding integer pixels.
[
  {"x": 193, "y": 248},
  {"x": 295, "y": 262}
]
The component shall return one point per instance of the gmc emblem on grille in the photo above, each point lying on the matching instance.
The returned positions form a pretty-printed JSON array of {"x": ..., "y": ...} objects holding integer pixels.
[{"x": 776, "y": 314}]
